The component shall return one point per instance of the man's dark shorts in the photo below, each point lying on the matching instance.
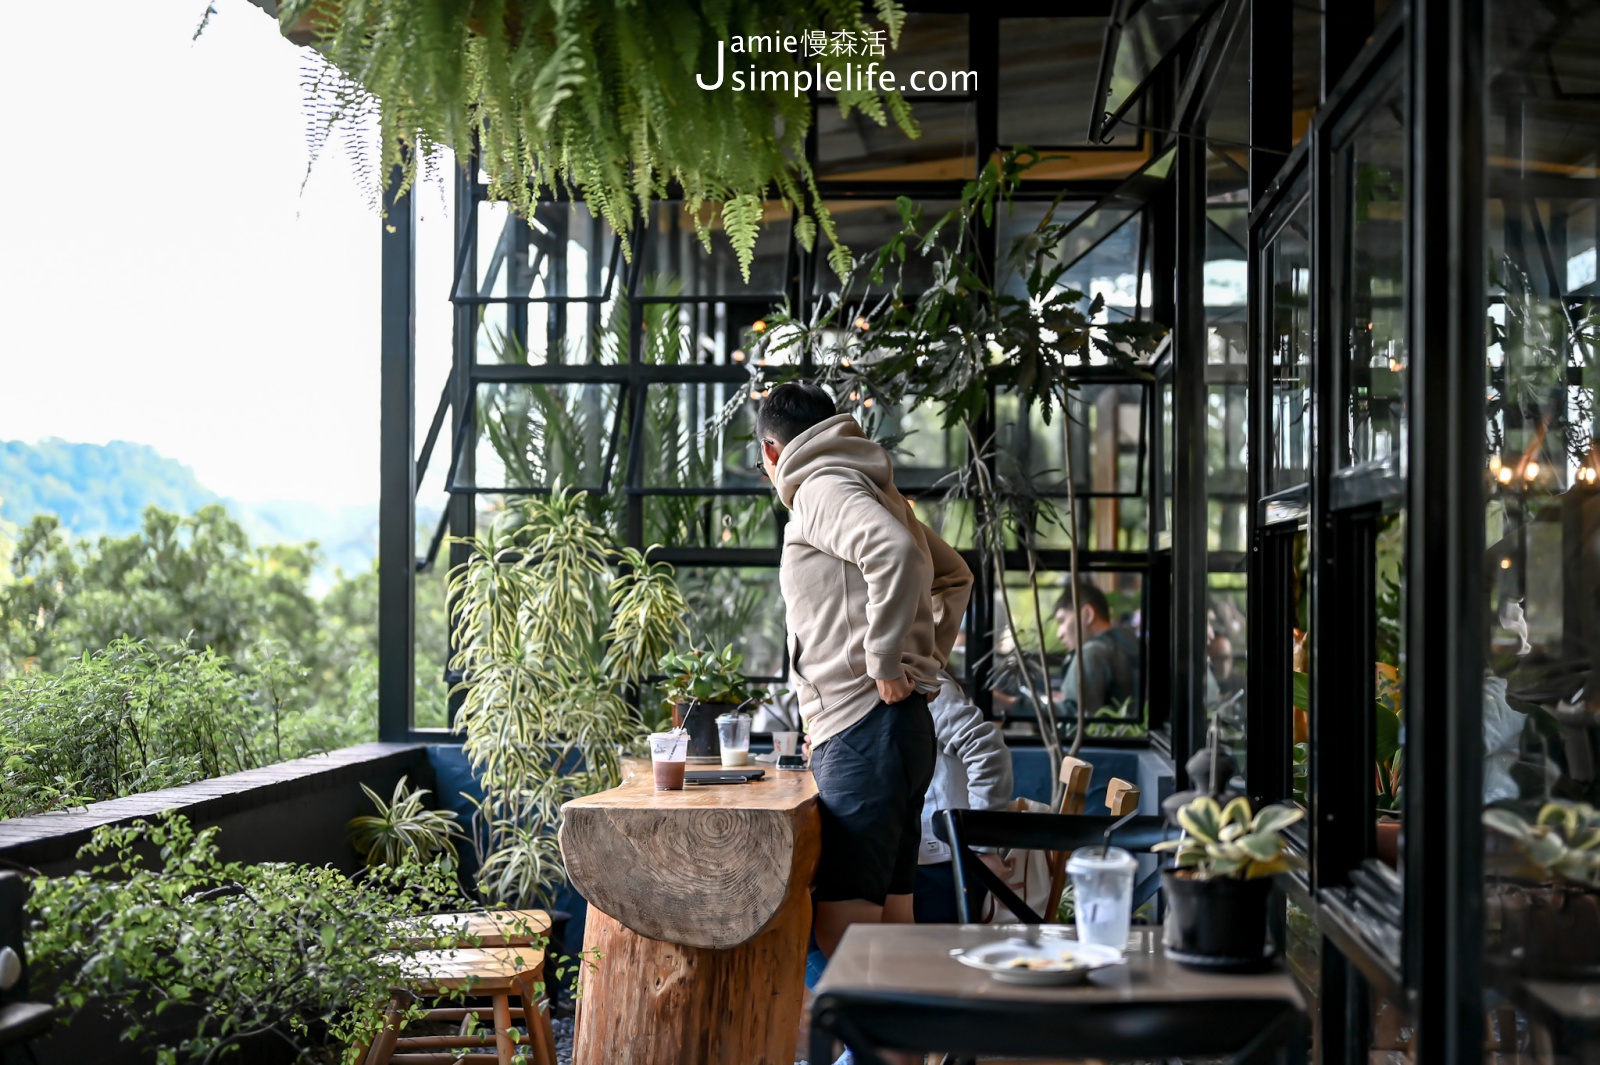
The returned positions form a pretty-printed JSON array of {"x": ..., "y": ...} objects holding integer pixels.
[{"x": 872, "y": 778}]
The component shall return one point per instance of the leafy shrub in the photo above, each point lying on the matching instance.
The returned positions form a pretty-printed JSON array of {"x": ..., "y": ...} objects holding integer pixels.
[
  {"x": 199, "y": 580},
  {"x": 242, "y": 951},
  {"x": 404, "y": 829},
  {"x": 135, "y": 718}
]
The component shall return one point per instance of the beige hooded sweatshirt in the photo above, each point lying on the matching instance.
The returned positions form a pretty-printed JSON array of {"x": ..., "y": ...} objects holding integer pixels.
[{"x": 872, "y": 593}]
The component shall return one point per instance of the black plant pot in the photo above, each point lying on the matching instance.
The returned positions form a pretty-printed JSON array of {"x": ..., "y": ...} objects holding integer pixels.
[
  {"x": 702, "y": 718},
  {"x": 1216, "y": 924}
]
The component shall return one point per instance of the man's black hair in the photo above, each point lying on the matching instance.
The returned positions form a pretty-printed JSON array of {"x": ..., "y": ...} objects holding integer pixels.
[
  {"x": 1089, "y": 595},
  {"x": 791, "y": 409}
]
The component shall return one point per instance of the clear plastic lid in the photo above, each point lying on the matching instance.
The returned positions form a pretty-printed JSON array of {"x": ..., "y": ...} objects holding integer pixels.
[{"x": 1086, "y": 860}]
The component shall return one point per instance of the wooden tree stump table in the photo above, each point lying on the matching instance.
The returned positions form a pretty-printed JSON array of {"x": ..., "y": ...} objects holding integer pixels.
[{"x": 700, "y": 910}]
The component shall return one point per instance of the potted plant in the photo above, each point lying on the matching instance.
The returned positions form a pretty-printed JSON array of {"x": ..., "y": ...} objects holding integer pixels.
[
  {"x": 1217, "y": 887},
  {"x": 702, "y": 686},
  {"x": 1546, "y": 907},
  {"x": 555, "y": 632}
]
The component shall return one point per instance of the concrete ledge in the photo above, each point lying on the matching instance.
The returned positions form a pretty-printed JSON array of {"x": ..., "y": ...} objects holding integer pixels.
[{"x": 290, "y": 811}]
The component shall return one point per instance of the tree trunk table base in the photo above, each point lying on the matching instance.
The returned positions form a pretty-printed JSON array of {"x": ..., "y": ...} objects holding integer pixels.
[{"x": 700, "y": 914}]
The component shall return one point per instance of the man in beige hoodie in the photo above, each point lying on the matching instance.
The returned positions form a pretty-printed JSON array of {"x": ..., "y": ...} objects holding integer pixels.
[{"x": 874, "y": 601}]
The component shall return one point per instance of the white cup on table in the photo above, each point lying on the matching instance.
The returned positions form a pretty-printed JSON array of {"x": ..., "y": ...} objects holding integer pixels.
[{"x": 785, "y": 743}]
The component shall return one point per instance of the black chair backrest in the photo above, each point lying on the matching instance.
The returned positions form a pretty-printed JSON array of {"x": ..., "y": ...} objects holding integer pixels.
[
  {"x": 13, "y": 897},
  {"x": 965, "y": 829}
]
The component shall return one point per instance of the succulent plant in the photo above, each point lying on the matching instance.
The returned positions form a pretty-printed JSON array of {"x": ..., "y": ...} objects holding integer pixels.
[
  {"x": 1563, "y": 842},
  {"x": 1233, "y": 841}
]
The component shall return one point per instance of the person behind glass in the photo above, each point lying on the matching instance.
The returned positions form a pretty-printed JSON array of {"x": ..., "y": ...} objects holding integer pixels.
[
  {"x": 1109, "y": 654},
  {"x": 973, "y": 773},
  {"x": 873, "y": 600}
]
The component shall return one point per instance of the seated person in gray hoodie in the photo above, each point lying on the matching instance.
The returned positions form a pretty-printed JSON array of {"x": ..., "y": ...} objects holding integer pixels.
[
  {"x": 973, "y": 772},
  {"x": 874, "y": 600}
]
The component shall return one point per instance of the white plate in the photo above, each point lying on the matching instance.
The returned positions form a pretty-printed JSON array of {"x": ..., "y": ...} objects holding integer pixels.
[{"x": 1057, "y": 962}]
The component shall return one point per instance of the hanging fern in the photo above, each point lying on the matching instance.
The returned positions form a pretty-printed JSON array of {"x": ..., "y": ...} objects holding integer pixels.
[{"x": 597, "y": 99}]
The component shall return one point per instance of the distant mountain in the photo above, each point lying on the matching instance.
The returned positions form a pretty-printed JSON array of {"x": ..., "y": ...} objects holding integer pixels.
[
  {"x": 95, "y": 489},
  {"x": 103, "y": 489}
]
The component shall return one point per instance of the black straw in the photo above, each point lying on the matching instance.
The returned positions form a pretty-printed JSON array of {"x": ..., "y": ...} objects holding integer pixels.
[{"x": 1105, "y": 849}]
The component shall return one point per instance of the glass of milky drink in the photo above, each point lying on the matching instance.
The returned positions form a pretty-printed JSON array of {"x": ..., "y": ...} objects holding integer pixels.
[
  {"x": 733, "y": 733},
  {"x": 668, "y": 753}
]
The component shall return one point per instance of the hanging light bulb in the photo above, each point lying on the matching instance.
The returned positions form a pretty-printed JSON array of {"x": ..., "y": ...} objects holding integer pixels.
[
  {"x": 738, "y": 356},
  {"x": 1505, "y": 563},
  {"x": 1531, "y": 471},
  {"x": 1505, "y": 475},
  {"x": 867, "y": 402},
  {"x": 1494, "y": 461}
]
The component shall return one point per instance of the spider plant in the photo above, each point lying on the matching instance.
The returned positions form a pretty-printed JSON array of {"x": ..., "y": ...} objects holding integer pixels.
[
  {"x": 555, "y": 632},
  {"x": 404, "y": 828}
]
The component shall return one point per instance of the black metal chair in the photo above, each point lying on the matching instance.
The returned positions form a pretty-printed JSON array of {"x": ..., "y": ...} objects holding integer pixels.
[
  {"x": 1014, "y": 1028},
  {"x": 20, "y": 1020},
  {"x": 965, "y": 829}
]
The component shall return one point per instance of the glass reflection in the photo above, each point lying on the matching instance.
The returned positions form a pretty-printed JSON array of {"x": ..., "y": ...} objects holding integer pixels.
[
  {"x": 1541, "y": 696},
  {"x": 1289, "y": 269},
  {"x": 1371, "y": 213}
]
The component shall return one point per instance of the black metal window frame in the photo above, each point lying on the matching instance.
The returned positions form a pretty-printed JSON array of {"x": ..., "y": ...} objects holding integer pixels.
[
  {"x": 1415, "y": 941},
  {"x": 458, "y": 402}
]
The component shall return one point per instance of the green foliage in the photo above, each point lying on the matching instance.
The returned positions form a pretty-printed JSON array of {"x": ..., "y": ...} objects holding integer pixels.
[
  {"x": 1562, "y": 842},
  {"x": 224, "y": 952},
  {"x": 588, "y": 96},
  {"x": 1232, "y": 841},
  {"x": 554, "y": 632},
  {"x": 404, "y": 829},
  {"x": 198, "y": 581},
  {"x": 1386, "y": 722},
  {"x": 134, "y": 718},
  {"x": 699, "y": 676}
]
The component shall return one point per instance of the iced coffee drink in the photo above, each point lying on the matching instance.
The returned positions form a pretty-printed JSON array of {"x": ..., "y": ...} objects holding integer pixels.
[{"x": 669, "y": 752}]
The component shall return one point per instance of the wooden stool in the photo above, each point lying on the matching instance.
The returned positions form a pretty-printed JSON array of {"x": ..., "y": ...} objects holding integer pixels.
[
  {"x": 498, "y": 973},
  {"x": 477, "y": 928}
]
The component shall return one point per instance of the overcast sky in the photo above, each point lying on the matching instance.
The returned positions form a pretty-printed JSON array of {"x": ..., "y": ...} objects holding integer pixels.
[{"x": 162, "y": 277}]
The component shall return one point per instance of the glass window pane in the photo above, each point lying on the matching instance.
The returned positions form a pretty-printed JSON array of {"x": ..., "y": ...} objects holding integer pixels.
[
  {"x": 1118, "y": 637},
  {"x": 1288, "y": 266},
  {"x": 1542, "y": 476},
  {"x": 859, "y": 149},
  {"x": 1044, "y": 61},
  {"x": 1154, "y": 31},
  {"x": 679, "y": 264},
  {"x": 529, "y": 435},
  {"x": 735, "y": 605},
  {"x": 1370, "y": 218},
  {"x": 682, "y": 448},
  {"x": 710, "y": 521}
]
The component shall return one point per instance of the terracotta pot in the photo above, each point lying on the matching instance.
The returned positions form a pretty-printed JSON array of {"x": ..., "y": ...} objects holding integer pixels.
[{"x": 1388, "y": 840}]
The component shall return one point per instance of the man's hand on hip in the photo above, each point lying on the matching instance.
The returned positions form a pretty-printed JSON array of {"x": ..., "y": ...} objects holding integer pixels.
[{"x": 897, "y": 690}]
